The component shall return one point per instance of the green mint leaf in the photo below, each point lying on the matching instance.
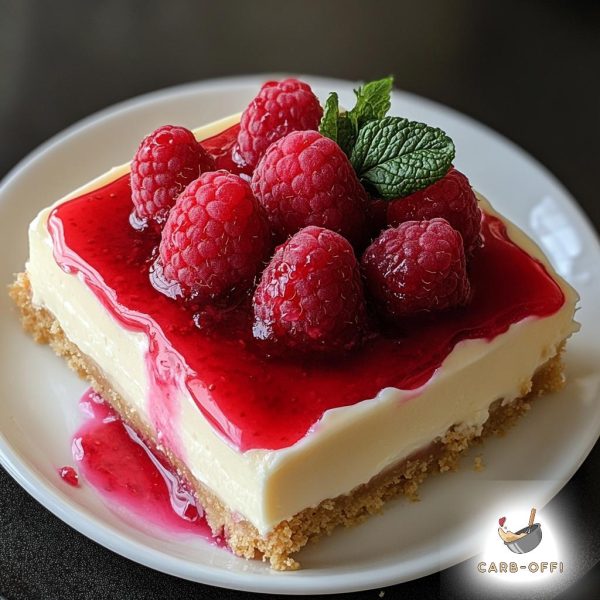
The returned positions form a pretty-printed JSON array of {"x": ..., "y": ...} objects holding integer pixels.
[
  {"x": 329, "y": 121},
  {"x": 373, "y": 100},
  {"x": 336, "y": 125},
  {"x": 346, "y": 135},
  {"x": 396, "y": 157}
]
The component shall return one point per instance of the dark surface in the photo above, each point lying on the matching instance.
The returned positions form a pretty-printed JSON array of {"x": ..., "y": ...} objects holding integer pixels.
[{"x": 527, "y": 69}]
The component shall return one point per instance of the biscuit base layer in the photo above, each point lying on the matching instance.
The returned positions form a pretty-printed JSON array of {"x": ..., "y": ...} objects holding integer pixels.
[{"x": 289, "y": 536}]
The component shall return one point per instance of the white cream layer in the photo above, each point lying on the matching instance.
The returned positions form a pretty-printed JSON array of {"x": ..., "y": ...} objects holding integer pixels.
[{"x": 349, "y": 445}]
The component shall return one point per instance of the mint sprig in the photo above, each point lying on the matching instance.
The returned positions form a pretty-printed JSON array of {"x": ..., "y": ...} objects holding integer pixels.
[
  {"x": 396, "y": 157},
  {"x": 329, "y": 120},
  {"x": 392, "y": 156},
  {"x": 372, "y": 102}
]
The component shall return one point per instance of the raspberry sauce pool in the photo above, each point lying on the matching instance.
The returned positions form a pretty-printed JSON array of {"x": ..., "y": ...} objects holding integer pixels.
[
  {"x": 117, "y": 463},
  {"x": 253, "y": 400}
]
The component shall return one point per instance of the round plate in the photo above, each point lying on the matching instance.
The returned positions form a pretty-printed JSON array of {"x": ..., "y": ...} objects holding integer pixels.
[{"x": 39, "y": 413}]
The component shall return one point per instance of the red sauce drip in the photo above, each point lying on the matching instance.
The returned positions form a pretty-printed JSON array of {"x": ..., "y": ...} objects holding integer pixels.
[
  {"x": 255, "y": 401},
  {"x": 69, "y": 475},
  {"x": 117, "y": 463}
]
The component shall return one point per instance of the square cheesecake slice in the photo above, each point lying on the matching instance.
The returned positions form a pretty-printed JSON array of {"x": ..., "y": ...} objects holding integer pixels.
[{"x": 282, "y": 451}]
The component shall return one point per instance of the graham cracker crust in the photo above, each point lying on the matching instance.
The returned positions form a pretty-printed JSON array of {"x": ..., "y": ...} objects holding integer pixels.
[{"x": 289, "y": 536}]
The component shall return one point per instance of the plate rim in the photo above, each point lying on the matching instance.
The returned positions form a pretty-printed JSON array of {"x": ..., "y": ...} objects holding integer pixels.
[{"x": 272, "y": 582}]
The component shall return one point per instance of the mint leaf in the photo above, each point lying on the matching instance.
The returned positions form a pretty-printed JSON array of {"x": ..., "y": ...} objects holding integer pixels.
[
  {"x": 346, "y": 135},
  {"x": 396, "y": 157},
  {"x": 373, "y": 100},
  {"x": 329, "y": 120},
  {"x": 336, "y": 125},
  {"x": 393, "y": 156}
]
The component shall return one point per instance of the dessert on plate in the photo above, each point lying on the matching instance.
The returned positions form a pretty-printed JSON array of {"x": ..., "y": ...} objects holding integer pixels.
[{"x": 305, "y": 309}]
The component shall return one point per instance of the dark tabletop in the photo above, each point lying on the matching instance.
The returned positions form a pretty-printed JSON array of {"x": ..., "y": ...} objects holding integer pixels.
[{"x": 530, "y": 70}]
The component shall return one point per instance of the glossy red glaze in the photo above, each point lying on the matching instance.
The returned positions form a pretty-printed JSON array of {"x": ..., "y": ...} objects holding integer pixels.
[
  {"x": 69, "y": 475},
  {"x": 224, "y": 150},
  {"x": 116, "y": 462},
  {"x": 259, "y": 402}
]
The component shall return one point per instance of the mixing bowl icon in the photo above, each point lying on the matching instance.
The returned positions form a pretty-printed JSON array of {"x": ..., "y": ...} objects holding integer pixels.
[{"x": 528, "y": 542}]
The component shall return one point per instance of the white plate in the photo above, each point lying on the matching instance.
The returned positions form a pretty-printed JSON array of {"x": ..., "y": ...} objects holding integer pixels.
[{"x": 38, "y": 408}]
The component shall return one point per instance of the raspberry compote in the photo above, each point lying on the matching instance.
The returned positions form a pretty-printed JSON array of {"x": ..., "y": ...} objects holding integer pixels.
[
  {"x": 127, "y": 473},
  {"x": 257, "y": 401}
]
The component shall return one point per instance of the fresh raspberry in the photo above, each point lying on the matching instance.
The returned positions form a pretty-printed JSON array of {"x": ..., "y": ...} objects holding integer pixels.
[
  {"x": 306, "y": 179},
  {"x": 450, "y": 198},
  {"x": 310, "y": 296},
  {"x": 279, "y": 108},
  {"x": 418, "y": 266},
  {"x": 166, "y": 161},
  {"x": 214, "y": 241}
]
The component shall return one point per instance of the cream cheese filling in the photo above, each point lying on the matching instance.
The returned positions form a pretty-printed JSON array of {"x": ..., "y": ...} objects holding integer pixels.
[{"x": 349, "y": 445}]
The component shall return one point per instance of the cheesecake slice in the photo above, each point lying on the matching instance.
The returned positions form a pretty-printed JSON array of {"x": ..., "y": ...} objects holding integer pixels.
[{"x": 279, "y": 451}]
